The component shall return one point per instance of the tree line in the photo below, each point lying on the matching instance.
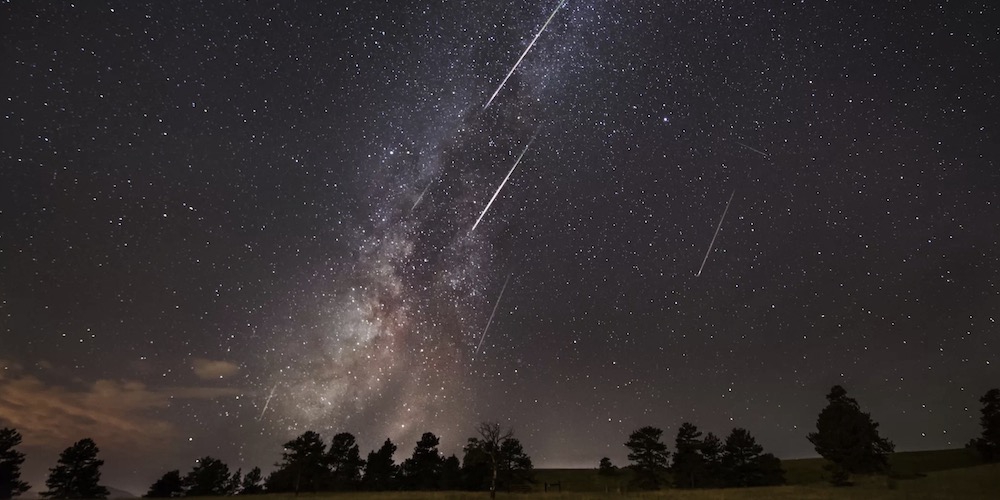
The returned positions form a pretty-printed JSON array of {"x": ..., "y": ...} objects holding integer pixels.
[{"x": 845, "y": 436}]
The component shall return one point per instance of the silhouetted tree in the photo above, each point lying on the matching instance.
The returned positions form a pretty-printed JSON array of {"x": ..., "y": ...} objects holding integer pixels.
[
  {"x": 689, "y": 465},
  {"x": 345, "y": 463},
  {"x": 168, "y": 486},
  {"x": 711, "y": 453},
  {"x": 252, "y": 483},
  {"x": 381, "y": 471},
  {"x": 476, "y": 466},
  {"x": 744, "y": 465},
  {"x": 515, "y": 465},
  {"x": 77, "y": 474},
  {"x": 606, "y": 468},
  {"x": 235, "y": 483},
  {"x": 10, "y": 465},
  {"x": 422, "y": 471},
  {"x": 771, "y": 471},
  {"x": 849, "y": 438},
  {"x": 490, "y": 437},
  {"x": 988, "y": 445},
  {"x": 451, "y": 473},
  {"x": 649, "y": 457},
  {"x": 302, "y": 467},
  {"x": 209, "y": 478}
]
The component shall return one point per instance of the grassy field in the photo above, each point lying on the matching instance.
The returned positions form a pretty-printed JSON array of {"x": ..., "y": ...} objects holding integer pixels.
[
  {"x": 979, "y": 482},
  {"x": 924, "y": 475}
]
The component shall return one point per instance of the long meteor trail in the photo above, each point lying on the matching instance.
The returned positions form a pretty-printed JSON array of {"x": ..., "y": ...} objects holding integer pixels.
[
  {"x": 269, "y": 396},
  {"x": 502, "y": 184},
  {"x": 532, "y": 44},
  {"x": 717, "y": 228},
  {"x": 765, "y": 155},
  {"x": 495, "y": 305},
  {"x": 421, "y": 197}
]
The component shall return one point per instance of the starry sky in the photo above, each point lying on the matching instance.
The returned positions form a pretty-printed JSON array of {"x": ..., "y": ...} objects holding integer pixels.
[{"x": 225, "y": 223}]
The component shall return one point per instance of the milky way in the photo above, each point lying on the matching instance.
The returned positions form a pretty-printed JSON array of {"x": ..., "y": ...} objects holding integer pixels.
[{"x": 407, "y": 306}]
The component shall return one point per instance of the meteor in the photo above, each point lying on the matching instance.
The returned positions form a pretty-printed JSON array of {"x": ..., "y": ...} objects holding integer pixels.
[
  {"x": 532, "y": 44},
  {"x": 495, "y": 305},
  {"x": 421, "y": 197},
  {"x": 504, "y": 182},
  {"x": 717, "y": 228},
  {"x": 765, "y": 155},
  {"x": 269, "y": 396}
]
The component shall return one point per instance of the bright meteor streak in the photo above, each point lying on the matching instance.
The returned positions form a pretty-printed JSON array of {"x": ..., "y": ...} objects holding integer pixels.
[
  {"x": 495, "y": 305},
  {"x": 504, "y": 182},
  {"x": 532, "y": 44},
  {"x": 717, "y": 228},
  {"x": 266, "y": 403},
  {"x": 421, "y": 197}
]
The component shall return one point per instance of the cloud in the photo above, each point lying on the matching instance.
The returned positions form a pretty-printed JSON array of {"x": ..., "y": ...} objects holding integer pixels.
[
  {"x": 114, "y": 413},
  {"x": 207, "y": 369}
]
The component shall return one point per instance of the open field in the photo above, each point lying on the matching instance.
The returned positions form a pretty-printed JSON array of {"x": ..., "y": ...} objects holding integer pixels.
[
  {"x": 920, "y": 476},
  {"x": 808, "y": 471}
]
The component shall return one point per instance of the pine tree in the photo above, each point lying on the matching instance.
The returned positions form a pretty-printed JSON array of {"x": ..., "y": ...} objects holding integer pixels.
[
  {"x": 649, "y": 457},
  {"x": 422, "y": 471},
  {"x": 252, "y": 483},
  {"x": 606, "y": 468},
  {"x": 381, "y": 471},
  {"x": 711, "y": 452},
  {"x": 345, "y": 462},
  {"x": 10, "y": 465},
  {"x": 210, "y": 477},
  {"x": 988, "y": 445},
  {"x": 303, "y": 465},
  {"x": 689, "y": 464},
  {"x": 169, "y": 486},
  {"x": 77, "y": 474},
  {"x": 849, "y": 438}
]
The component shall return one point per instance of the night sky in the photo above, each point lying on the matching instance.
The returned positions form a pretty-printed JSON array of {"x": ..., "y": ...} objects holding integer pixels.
[{"x": 224, "y": 223}]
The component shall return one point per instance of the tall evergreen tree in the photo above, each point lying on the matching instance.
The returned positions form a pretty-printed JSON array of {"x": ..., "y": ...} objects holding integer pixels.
[
  {"x": 712, "y": 452},
  {"x": 988, "y": 445},
  {"x": 77, "y": 474},
  {"x": 689, "y": 464},
  {"x": 744, "y": 463},
  {"x": 235, "y": 484},
  {"x": 849, "y": 438},
  {"x": 168, "y": 486},
  {"x": 251, "y": 484},
  {"x": 740, "y": 459},
  {"x": 381, "y": 471},
  {"x": 451, "y": 473},
  {"x": 10, "y": 465},
  {"x": 422, "y": 471},
  {"x": 302, "y": 467},
  {"x": 649, "y": 457},
  {"x": 345, "y": 462},
  {"x": 209, "y": 478},
  {"x": 606, "y": 468},
  {"x": 516, "y": 468}
]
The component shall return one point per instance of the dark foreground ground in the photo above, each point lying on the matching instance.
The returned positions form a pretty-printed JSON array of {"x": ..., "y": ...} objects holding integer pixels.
[{"x": 941, "y": 474}]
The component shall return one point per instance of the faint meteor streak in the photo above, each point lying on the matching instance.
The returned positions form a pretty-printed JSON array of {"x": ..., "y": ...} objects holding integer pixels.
[
  {"x": 532, "y": 44},
  {"x": 504, "y": 182},
  {"x": 495, "y": 305},
  {"x": 268, "y": 402},
  {"x": 717, "y": 228},
  {"x": 765, "y": 155},
  {"x": 421, "y": 197}
]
